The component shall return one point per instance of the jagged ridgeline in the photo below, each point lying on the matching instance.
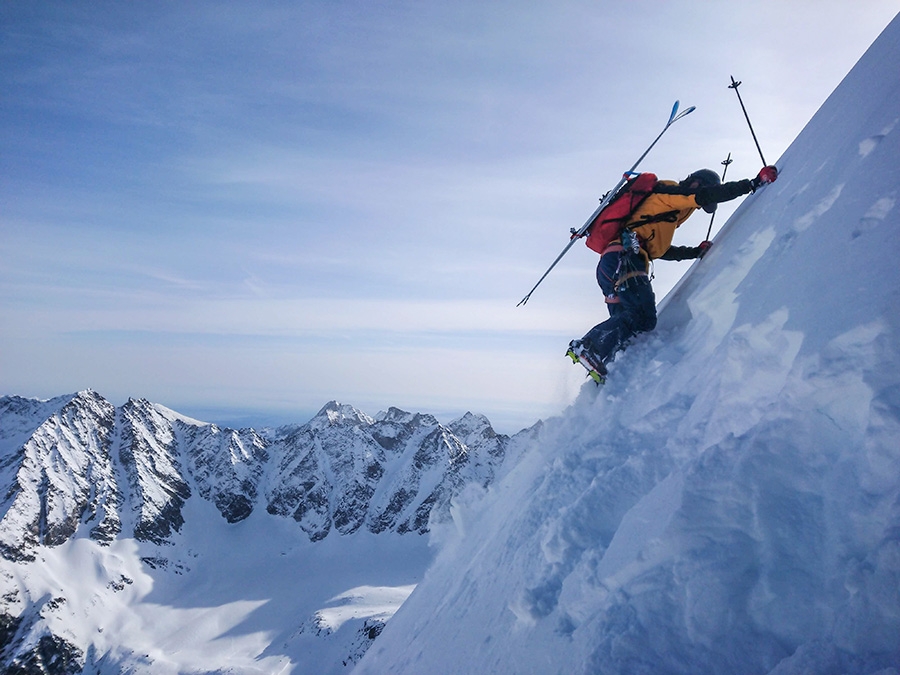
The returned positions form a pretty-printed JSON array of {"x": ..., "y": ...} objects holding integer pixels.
[{"x": 80, "y": 466}]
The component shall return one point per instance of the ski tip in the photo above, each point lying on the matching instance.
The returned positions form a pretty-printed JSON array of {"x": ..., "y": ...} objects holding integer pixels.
[
  {"x": 683, "y": 113},
  {"x": 674, "y": 111},
  {"x": 678, "y": 115}
]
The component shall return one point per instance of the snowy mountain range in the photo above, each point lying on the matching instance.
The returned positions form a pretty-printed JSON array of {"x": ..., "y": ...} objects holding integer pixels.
[{"x": 79, "y": 471}]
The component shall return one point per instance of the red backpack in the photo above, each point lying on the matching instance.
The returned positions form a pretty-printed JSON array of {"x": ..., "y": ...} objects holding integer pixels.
[{"x": 609, "y": 222}]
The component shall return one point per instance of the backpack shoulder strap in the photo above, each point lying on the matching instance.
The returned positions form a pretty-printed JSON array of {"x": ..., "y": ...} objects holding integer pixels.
[
  {"x": 665, "y": 216},
  {"x": 668, "y": 187}
]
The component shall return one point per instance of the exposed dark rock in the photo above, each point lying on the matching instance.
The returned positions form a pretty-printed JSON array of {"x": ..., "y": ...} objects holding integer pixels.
[{"x": 51, "y": 656}]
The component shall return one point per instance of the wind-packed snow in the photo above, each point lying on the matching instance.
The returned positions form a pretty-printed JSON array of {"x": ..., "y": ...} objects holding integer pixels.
[{"x": 730, "y": 501}]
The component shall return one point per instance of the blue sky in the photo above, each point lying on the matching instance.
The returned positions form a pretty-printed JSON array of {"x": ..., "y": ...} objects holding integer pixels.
[{"x": 244, "y": 210}]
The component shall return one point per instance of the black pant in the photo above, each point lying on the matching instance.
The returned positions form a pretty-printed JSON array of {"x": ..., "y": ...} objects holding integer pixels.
[{"x": 635, "y": 311}]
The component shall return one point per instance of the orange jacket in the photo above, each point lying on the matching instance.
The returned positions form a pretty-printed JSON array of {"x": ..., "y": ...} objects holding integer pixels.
[{"x": 656, "y": 237}]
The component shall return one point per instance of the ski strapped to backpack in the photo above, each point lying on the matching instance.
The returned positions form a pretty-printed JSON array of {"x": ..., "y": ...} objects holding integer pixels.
[{"x": 577, "y": 234}]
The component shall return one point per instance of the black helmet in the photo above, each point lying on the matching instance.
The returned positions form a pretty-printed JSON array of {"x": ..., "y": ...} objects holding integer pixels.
[{"x": 705, "y": 178}]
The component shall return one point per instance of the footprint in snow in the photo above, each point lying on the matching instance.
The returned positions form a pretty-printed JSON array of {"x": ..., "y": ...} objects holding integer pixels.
[
  {"x": 868, "y": 145},
  {"x": 876, "y": 215}
]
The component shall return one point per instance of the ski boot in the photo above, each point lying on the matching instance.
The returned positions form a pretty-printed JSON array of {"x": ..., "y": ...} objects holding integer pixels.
[{"x": 579, "y": 354}]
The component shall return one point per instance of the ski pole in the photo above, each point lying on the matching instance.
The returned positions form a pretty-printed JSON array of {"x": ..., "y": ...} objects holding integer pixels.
[
  {"x": 577, "y": 234},
  {"x": 734, "y": 85},
  {"x": 726, "y": 162}
]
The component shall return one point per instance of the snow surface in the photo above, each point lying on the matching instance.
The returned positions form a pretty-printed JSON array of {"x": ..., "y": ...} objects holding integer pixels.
[
  {"x": 251, "y": 597},
  {"x": 730, "y": 501}
]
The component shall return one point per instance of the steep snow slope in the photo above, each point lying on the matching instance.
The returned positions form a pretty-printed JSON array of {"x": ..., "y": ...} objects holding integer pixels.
[{"x": 730, "y": 501}]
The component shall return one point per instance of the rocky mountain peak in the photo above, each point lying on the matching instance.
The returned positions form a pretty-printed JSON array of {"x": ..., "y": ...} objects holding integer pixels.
[
  {"x": 339, "y": 414},
  {"x": 78, "y": 461}
]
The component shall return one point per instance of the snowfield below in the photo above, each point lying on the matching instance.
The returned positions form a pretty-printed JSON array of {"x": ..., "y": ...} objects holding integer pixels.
[{"x": 252, "y": 597}]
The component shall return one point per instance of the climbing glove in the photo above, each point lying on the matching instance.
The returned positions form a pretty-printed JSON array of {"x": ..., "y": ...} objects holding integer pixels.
[{"x": 768, "y": 174}]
